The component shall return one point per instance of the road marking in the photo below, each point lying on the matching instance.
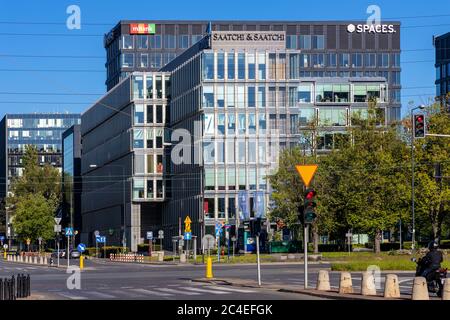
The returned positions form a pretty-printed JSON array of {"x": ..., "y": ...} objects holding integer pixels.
[
  {"x": 178, "y": 292},
  {"x": 72, "y": 297},
  {"x": 206, "y": 291},
  {"x": 406, "y": 280},
  {"x": 162, "y": 294},
  {"x": 231, "y": 289},
  {"x": 100, "y": 294}
]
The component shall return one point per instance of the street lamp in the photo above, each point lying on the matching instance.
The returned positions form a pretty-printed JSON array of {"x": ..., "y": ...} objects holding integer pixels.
[
  {"x": 413, "y": 245},
  {"x": 124, "y": 239}
]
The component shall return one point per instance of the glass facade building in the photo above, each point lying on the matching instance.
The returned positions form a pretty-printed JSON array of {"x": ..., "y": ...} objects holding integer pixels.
[
  {"x": 43, "y": 130},
  {"x": 442, "y": 65}
]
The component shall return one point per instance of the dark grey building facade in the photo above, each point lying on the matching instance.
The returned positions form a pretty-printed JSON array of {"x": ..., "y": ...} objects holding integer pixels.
[
  {"x": 329, "y": 48},
  {"x": 442, "y": 65}
]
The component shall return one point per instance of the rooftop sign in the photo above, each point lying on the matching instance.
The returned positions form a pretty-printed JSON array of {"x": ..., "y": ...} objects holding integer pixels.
[
  {"x": 142, "y": 28},
  {"x": 371, "y": 28},
  {"x": 246, "y": 39}
]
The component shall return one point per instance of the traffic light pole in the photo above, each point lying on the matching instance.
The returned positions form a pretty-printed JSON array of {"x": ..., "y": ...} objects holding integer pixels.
[
  {"x": 305, "y": 253},
  {"x": 257, "y": 257}
]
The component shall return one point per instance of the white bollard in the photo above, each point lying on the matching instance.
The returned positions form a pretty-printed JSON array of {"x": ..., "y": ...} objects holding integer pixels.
[
  {"x": 420, "y": 289},
  {"x": 35, "y": 260},
  {"x": 345, "y": 284},
  {"x": 323, "y": 281},
  {"x": 45, "y": 261},
  {"x": 446, "y": 291},
  {"x": 368, "y": 287},
  {"x": 391, "y": 286},
  {"x": 41, "y": 260}
]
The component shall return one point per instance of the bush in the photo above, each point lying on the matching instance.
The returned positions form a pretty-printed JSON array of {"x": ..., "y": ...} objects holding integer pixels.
[
  {"x": 101, "y": 251},
  {"x": 144, "y": 247}
]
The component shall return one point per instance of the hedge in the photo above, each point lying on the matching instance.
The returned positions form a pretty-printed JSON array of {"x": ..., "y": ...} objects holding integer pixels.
[{"x": 101, "y": 251}]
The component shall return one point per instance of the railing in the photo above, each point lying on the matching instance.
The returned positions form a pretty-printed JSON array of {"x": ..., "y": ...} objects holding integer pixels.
[{"x": 15, "y": 287}]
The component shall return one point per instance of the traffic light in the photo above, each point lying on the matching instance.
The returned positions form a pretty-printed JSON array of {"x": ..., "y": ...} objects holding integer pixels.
[
  {"x": 255, "y": 226},
  {"x": 419, "y": 126},
  {"x": 309, "y": 206}
]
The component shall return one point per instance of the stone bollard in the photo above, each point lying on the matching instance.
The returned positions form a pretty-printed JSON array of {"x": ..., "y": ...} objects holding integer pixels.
[
  {"x": 160, "y": 256},
  {"x": 183, "y": 258},
  {"x": 345, "y": 284},
  {"x": 368, "y": 287},
  {"x": 26, "y": 259},
  {"x": 41, "y": 260},
  {"x": 45, "y": 261},
  {"x": 35, "y": 260},
  {"x": 420, "y": 289},
  {"x": 323, "y": 281},
  {"x": 446, "y": 291},
  {"x": 391, "y": 286}
]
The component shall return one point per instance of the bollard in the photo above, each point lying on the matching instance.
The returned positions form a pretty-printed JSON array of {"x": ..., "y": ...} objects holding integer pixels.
[
  {"x": 446, "y": 290},
  {"x": 7, "y": 258},
  {"x": 391, "y": 286},
  {"x": 323, "y": 281},
  {"x": 81, "y": 262},
  {"x": 420, "y": 289},
  {"x": 209, "y": 272},
  {"x": 4, "y": 254},
  {"x": 368, "y": 287},
  {"x": 345, "y": 284},
  {"x": 27, "y": 259},
  {"x": 35, "y": 260},
  {"x": 41, "y": 260},
  {"x": 45, "y": 261}
]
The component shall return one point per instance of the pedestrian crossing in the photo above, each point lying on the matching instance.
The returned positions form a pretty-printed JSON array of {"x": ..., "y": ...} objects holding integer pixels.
[{"x": 180, "y": 291}]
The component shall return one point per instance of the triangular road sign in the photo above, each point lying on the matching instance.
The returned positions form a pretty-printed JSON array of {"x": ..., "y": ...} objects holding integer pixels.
[
  {"x": 57, "y": 220},
  {"x": 306, "y": 172}
]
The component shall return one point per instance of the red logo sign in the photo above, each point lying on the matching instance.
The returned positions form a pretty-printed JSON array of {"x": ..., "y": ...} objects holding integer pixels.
[{"x": 142, "y": 28}]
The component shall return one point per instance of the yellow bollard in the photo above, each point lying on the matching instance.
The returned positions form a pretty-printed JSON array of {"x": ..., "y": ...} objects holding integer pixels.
[
  {"x": 209, "y": 273},
  {"x": 4, "y": 254},
  {"x": 81, "y": 262}
]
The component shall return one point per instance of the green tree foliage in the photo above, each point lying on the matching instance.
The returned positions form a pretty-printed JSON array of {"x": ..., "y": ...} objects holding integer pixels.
[
  {"x": 33, "y": 217},
  {"x": 34, "y": 197}
]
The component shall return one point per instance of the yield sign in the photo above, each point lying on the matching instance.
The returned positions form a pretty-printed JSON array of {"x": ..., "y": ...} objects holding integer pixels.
[
  {"x": 306, "y": 172},
  {"x": 57, "y": 220}
]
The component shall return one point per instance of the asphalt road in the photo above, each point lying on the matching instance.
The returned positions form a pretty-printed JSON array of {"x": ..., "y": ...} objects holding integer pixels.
[{"x": 110, "y": 281}]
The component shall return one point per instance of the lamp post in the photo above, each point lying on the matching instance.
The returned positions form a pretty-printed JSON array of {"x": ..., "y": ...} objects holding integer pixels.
[
  {"x": 413, "y": 245},
  {"x": 124, "y": 239}
]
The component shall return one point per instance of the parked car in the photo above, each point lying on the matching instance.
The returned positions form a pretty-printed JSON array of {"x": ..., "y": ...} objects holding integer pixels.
[
  {"x": 62, "y": 254},
  {"x": 74, "y": 254}
]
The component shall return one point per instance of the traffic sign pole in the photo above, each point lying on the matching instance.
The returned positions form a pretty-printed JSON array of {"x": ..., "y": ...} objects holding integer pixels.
[
  {"x": 259, "y": 262},
  {"x": 305, "y": 253},
  {"x": 68, "y": 253}
]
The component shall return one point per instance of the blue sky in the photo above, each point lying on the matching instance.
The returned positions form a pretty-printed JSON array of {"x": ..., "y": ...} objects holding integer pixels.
[{"x": 420, "y": 21}]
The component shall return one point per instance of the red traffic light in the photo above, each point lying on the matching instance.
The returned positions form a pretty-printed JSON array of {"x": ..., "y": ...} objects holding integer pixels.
[
  {"x": 310, "y": 194},
  {"x": 419, "y": 118}
]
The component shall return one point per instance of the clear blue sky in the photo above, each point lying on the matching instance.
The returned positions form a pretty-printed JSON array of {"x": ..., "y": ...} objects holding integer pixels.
[{"x": 416, "y": 34}]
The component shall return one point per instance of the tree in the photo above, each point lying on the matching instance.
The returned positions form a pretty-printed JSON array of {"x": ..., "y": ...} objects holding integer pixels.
[
  {"x": 33, "y": 217},
  {"x": 37, "y": 184}
]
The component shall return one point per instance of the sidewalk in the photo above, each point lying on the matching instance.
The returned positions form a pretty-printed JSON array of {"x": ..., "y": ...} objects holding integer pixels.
[{"x": 333, "y": 294}]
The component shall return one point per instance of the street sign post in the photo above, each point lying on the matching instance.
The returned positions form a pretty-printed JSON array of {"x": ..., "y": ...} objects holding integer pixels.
[
  {"x": 218, "y": 229},
  {"x": 161, "y": 237},
  {"x": 187, "y": 234},
  {"x": 208, "y": 243},
  {"x": 81, "y": 248},
  {"x": 306, "y": 172},
  {"x": 150, "y": 240},
  {"x": 349, "y": 237}
]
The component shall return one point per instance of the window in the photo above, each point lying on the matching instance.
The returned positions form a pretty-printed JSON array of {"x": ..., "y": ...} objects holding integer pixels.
[
  {"x": 128, "y": 60},
  {"x": 150, "y": 163},
  {"x": 396, "y": 59},
  {"x": 150, "y": 137},
  {"x": 127, "y": 41},
  {"x": 281, "y": 97},
  {"x": 318, "y": 60},
  {"x": 305, "y": 42},
  {"x": 241, "y": 65},
  {"x": 332, "y": 116},
  {"x": 370, "y": 60},
  {"x": 251, "y": 65},
  {"x": 305, "y": 60},
  {"x": 281, "y": 66},
  {"x": 241, "y": 151},
  {"x": 272, "y": 96},
  {"x": 251, "y": 123},
  {"x": 138, "y": 87},
  {"x": 169, "y": 41},
  {"x": 142, "y": 42},
  {"x": 231, "y": 65},
  {"x": 159, "y": 114},
  {"x": 220, "y": 94},
  {"x": 138, "y": 141},
  {"x": 220, "y": 65},
  {"x": 332, "y": 93},
  {"x": 395, "y": 77},
  {"x": 221, "y": 207},
  {"x": 159, "y": 138},
  {"x": 149, "y": 83},
  {"x": 144, "y": 60},
  {"x": 196, "y": 38},
  {"x": 241, "y": 123},
  {"x": 139, "y": 114},
  {"x": 208, "y": 152},
  {"x": 159, "y": 189},
  {"x": 261, "y": 97},
  {"x": 208, "y": 96},
  {"x": 272, "y": 65},
  {"x": 231, "y": 180},
  {"x": 294, "y": 124},
  {"x": 231, "y": 124},
  {"x": 291, "y": 41},
  {"x": 251, "y": 97},
  {"x": 383, "y": 60},
  {"x": 304, "y": 94},
  {"x": 221, "y": 124},
  {"x": 331, "y": 60},
  {"x": 209, "y": 182},
  {"x": 220, "y": 153},
  {"x": 230, "y": 151},
  {"x": 364, "y": 93},
  {"x": 150, "y": 189},
  {"x": 155, "y": 41},
  {"x": 262, "y": 123},
  {"x": 209, "y": 123},
  {"x": 241, "y": 178},
  {"x": 252, "y": 180},
  {"x": 230, "y": 96},
  {"x": 282, "y": 124},
  {"x": 252, "y": 151},
  {"x": 138, "y": 188},
  {"x": 261, "y": 66},
  {"x": 208, "y": 65},
  {"x": 183, "y": 41},
  {"x": 158, "y": 87},
  {"x": 240, "y": 96},
  {"x": 155, "y": 60},
  {"x": 357, "y": 60},
  {"x": 318, "y": 42},
  {"x": 344, "y": 60}
]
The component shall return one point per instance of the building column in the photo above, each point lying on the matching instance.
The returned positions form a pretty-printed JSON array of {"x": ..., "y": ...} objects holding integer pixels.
[{"x": 135, "y": 227}]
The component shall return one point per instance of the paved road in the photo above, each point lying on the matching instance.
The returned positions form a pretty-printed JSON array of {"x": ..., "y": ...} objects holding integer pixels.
[{"x": 106, "y": 280}]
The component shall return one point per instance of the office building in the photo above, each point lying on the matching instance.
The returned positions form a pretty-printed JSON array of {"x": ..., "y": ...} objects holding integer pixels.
[
  {"x": 123, "y": 163},
  {"x": 442, "y": 65},
  {"x": 329, "y": 48},
  {"x": 43, "y": 130}
]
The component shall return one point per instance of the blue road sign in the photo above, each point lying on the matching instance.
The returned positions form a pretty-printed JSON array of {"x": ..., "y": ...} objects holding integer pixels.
[
  {"x": 100, "y": 239},
  {"x": 2, "y": 238},
  {"x": 218, "y": 229},
  {"x": 81, "y": 248},
  {"x": 188, "y": 236},
  {"x": 149, "y": 235},
  {"x": 69, "y": 232}
]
